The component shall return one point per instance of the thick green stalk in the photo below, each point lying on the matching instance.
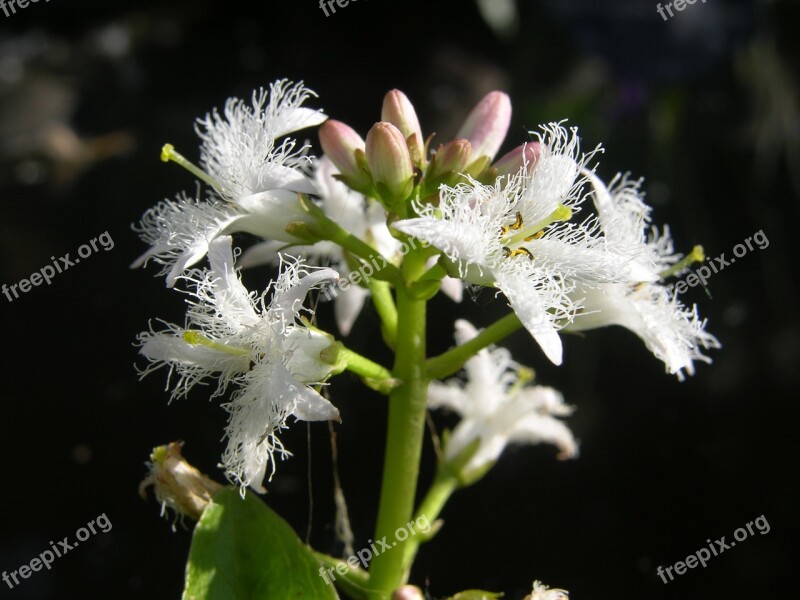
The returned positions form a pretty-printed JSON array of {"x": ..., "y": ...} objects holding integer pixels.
[
  {"x": 404, "y": 439},
  {"x": 452, "y": 360}
]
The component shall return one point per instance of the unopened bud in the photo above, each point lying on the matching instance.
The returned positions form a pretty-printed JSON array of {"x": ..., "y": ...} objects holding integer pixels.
[
  {"x": 398, "y": 110},
  {"x": 177, "y": 484},
  {"x": 453, "y": 157},
  {"x": 389, "y": 162},
  {"x": 487, "y": 124},
  {"x": 408, "y": 592},
  {"x": 345, "y": 149},
  {"x": 525, "y": 155}
]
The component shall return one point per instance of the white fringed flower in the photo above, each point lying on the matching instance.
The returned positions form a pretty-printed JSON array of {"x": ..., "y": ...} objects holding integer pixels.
[
  {"x": 498, "y": 408},
  {"x": 543, "y": 592},
  {"x": 672, "y": 332},
  {"x": 255, "y": 177},
  {"x": 513, "y": 235},
  {"x": 235, "y": 337}
]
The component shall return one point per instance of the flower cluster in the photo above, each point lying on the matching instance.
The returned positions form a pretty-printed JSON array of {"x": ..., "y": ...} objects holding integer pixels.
[{"x": 510, "y": 224}]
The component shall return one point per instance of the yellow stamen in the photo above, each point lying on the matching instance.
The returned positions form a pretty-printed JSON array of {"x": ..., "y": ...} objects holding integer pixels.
[
  {"x": 508, "y": 252},
  {"x": 535, "y": 236},
  {"x": 515, "y": 226},
  {"x": 168, "y": 153},
  {"x": 562, "y": 213}
]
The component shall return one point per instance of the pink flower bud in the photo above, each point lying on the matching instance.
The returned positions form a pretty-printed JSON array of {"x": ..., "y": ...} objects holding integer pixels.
[
  {"x": 408, "y": 592},
  {"x": 525, "y": 155},
  {"x": 487, "y": 124},
  {"x": 341, "y": 144},
  {"x": 453, "y": 157},
  {"x": 389, "y": 162},
  {"x": 398, "y": 110}
]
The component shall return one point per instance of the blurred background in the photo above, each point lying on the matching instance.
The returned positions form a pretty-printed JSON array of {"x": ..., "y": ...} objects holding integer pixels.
[{"x": 704, "y": 105}]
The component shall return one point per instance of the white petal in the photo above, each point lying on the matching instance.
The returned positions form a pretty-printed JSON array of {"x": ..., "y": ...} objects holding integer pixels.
[
  {"x": 180, "y": 231},
  {"x": 447, "y": 395},
  {"x": 538, "y": 429},
  {"x": 453, "y": 288},
  {"x": 463, "y": 243},
  {"x": 263, "y": 253},
  {"x": 258, "y": 413},
  {"x": 240, "y": 148},
  {"x": 464, "y": 331},
  {"x": 524, "y": 298},
  {"x": 311, "y": 406},
  {"x": 193, "y": 363},
  {"x": 268, "y": 214},
  {"x": 291, "y": 288},
  {"x": 301, "y": 118},
  {"x": 302, "y": 346},
  {"x": 231, "y": 298}
]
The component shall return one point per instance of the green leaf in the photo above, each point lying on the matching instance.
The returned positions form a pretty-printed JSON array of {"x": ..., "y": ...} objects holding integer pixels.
[
  {"x": 476, "y": 595},
  {"x": 242, "y": 550}
]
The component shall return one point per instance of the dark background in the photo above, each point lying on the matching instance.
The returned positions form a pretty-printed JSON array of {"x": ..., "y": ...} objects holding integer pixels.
[{"x": 705, "y": 106}]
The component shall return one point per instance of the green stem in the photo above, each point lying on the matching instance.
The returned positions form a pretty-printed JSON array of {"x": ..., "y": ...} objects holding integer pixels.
[
  {"x": 381, "y": 266},
  {"x": 404, "y": 439},
  {"x": 352, "y": 581},
  {"x": 339, "y": 354},
  {"x": 439, "y": 493},
  {"x": 452, "y": 360},
  {"x": 384, "y": 303}
]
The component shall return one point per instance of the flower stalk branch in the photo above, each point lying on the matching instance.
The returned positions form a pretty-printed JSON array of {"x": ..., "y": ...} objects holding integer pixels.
[{"x": 451, "y": 361}]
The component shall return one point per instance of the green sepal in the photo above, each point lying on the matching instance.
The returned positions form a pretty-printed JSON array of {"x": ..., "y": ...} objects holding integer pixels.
[
  {"x": 384, "y": 386},
  {"x": 424, "y": 290}
]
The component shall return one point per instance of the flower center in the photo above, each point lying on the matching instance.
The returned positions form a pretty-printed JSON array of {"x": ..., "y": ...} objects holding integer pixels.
[
  {"x": 195, "y": 338},
  {"x": 524, "y": 376},
  {"x": 512, "y": 236}
]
